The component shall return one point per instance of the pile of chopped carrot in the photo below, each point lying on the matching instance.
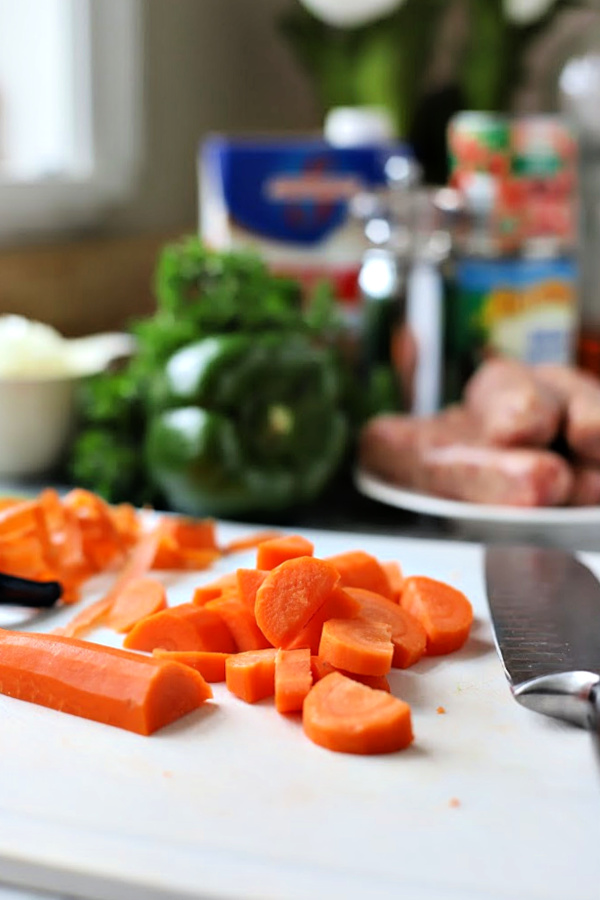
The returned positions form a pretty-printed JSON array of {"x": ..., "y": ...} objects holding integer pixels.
[{"x": 317, "y": 635}]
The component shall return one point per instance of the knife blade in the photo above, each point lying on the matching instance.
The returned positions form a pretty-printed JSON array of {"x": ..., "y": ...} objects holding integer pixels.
[{"x": 545, "y": 610}]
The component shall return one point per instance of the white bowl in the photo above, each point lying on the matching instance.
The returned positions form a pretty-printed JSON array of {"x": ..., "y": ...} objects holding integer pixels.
[{"x": 37, "y": 415}]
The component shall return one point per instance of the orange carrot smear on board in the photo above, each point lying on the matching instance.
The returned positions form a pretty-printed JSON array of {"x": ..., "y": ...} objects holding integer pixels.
[
  {"x": 209, "y": 663},
  {"x": 139, "y": 598},
  {"x": 408, "y": 635},
  {"x": 444, "y": 612},
  {"x": 293, "y": 679},
  {"x": 251, "y": 675},
  {"x": 183, "y": 627},
  {"x": 360, "y": 569},
  {"x": 290, "y": 596},
  {"x": 343, "y": 715},
  {"x": 272, "y": 553},
  {"x": 108, "y": 685},
  {"x": 358, "y": 645}
]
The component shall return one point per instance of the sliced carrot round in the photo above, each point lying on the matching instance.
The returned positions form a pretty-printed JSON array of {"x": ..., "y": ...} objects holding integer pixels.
[
  {"x": 408, "y": 635},
  {"x": 357, "y": 645},
  {"x": 272, "y": 553},
  {"x": 444, "y": 612},
  {"x": 343, "y": 715},
  {"x": 290, "y": 596}
]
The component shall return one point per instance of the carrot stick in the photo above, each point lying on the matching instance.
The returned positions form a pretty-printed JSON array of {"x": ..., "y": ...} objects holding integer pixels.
[
  {"x": 251, "y": 675},
  {"x": 108, "y": 685},
  {"x": 240, "y": 622},
  {"x": 342, "y": 715},
  {"x": 183, "y": 627},
  {"x": 360, "y": 569},
  {"x": 248, "y": 582},
  {"x": 139, "y": 598},
  {"x": 293, "y": 679},
  {"x": 290, "y": 596},
  {"x": 138, "y": 564},
  {"x": 358, "y": 645},
  {"x": 250, "y": 541},
  {"x": 395, "y": 579},
  {"x": 408, "y": 635},
  {"x": 444, "y": 612},
  {"x": 339, "y": 605},
  {"x": 272, "y": 553},
  {"x": 210, "y": 664}
]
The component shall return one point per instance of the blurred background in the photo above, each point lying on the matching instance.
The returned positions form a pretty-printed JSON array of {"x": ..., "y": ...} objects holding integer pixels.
[
  {"x": 103, "y": 106},
  {"x": 435, "y": 164}
]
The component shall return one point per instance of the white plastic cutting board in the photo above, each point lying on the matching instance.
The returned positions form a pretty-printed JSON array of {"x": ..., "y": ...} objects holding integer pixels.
[{"x": 233, "y": 801}]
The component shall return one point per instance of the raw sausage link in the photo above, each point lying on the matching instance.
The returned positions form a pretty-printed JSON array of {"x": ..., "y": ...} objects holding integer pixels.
[
  {"x": 442, "y": 456},
  {"x": 579, "y": 393},
  {"x": 514, "y": 408}
]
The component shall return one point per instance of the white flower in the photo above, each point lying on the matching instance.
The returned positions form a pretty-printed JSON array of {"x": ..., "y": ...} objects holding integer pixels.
[
  {"x": 351, "y": 13},
  {"x": 523, "y": 12}
]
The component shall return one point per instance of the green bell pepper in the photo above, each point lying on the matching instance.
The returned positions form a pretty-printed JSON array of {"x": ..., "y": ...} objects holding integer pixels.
[{"x": 246, "y": 423}]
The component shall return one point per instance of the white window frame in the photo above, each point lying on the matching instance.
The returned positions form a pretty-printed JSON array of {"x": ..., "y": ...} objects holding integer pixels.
[{"x": 108, "y": 101}]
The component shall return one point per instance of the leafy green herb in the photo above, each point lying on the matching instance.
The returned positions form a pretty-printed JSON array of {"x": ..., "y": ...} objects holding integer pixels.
[{"x": 199, "y": 292}]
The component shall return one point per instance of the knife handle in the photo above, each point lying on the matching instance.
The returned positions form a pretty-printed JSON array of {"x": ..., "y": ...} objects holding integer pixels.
[{"x": 16, "y": 591}]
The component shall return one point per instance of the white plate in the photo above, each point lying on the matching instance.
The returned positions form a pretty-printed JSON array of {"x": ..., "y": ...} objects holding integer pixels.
[{"x": 577, "y": 526}]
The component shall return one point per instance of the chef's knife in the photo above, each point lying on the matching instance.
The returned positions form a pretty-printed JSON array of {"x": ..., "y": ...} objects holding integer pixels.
[{"x": 545, "y": 607}]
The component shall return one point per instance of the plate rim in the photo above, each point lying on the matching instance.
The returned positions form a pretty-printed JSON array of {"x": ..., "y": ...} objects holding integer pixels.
[{"x": 376, "y": 488}]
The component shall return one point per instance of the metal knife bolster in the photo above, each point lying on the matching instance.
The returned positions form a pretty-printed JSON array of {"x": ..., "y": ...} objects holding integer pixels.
[{"x": 572, "y": 696}]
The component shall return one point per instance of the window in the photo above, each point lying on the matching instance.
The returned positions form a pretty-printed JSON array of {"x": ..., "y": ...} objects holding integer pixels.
[{"x": 70, "y": 110}]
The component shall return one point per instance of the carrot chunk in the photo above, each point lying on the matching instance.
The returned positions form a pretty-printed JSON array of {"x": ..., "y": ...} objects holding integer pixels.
[
  {"x": 361, "y": 570},
  {"x": 293, "y": 679},
  {"x": 408, "y": 635},
  {"x": 250, "y": 541},
  {"x": 290, "y": 596},
  {"x": 248, "y": 582},
  {"x": 183, "y": 627},
  {"x": 139, "y": 598},
  {"x": 395, "y": 579},
  {"x": 205, "y": 592},
  {"x": 343, "y": 715},
  {"x": 339, "y": 605},
  {"x": 272, "y": 553},
  {"x": 357, "y": 645},
  {"x": 444, "y": 612},
  {"x": 108, "y": 685},
  {"x": 210, "y": 664},
  {"x": 320, "y": 668},
  {"x": 240, "y": 622},
  {"x": 251, "y": 675}
]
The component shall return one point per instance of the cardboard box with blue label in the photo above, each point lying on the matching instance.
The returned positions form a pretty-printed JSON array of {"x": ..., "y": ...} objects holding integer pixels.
[{"x": 288, "y": 199}]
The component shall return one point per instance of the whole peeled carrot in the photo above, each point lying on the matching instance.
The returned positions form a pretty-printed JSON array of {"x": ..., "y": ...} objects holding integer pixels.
[{"x": 116, "y": 687}]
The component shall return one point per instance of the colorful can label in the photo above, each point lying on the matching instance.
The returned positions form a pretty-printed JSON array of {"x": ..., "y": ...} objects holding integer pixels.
[{"x": 522, "y": 308}]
